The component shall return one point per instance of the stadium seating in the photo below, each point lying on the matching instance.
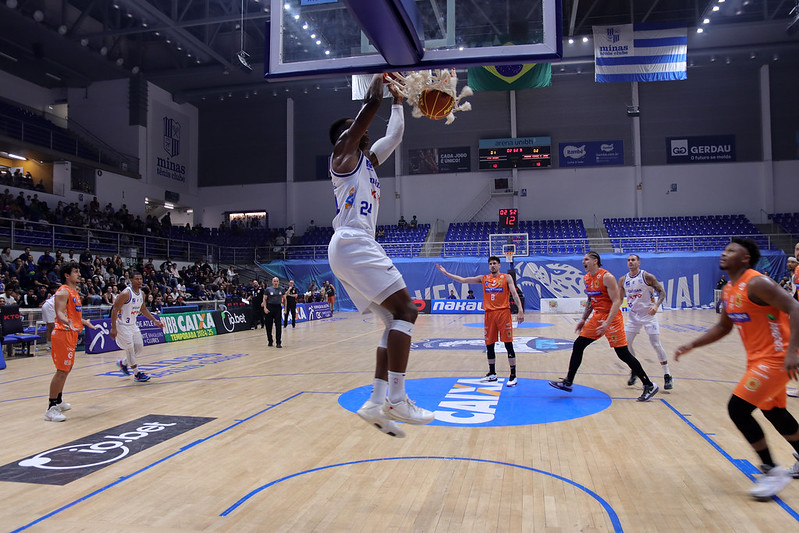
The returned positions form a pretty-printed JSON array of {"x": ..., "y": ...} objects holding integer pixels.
[
  {"x": 677, "y": 234},
  {"x": 545, "y": 237},
  {"x": 789, "y": 222}
]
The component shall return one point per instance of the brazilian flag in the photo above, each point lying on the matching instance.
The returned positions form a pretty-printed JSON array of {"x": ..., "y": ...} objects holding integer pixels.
[{"x": 510, "y": 77}]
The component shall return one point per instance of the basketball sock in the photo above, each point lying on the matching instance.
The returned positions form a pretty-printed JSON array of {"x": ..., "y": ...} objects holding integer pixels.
[
  {"x": 492, "y": 368},
  {"x": 491, "y": 354},
  {"x": 396, "y": 386},
  {"x": 665, "y": 368},
  {"x": 53, "y": 401},
  {"x": 58, "y": 399},
  {"x": 379, "y": 388},
  {"x": 765, "y": 457}
]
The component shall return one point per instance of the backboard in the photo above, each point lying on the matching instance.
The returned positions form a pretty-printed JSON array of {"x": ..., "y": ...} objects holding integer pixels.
[
  {"x": 314, "y": 38},
  {"x": 517, "y": 244}
]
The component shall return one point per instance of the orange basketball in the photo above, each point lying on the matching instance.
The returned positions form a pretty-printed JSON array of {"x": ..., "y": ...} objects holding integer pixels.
[{"x": 435, "y": 104}]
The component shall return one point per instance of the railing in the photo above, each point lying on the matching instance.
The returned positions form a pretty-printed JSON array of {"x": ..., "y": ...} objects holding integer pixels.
[
  {"x": 60, "y": 141},
  {"x": 43, "y": 236}
]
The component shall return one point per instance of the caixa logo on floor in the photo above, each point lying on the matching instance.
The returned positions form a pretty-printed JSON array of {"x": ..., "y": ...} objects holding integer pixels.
[{"x": 63, "y": 464}]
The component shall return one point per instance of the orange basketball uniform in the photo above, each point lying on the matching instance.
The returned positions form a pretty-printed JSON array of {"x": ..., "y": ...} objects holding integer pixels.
[
  {"x": 765, "y": 332},
  {"x": 63, "y": 339},
  {"x": 496, "y": 304},
  {"x": 601, "y": 303}
]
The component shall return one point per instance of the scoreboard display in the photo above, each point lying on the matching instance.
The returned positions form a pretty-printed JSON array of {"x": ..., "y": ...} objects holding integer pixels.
[
  {"x": 508, "y": 218},
  {"x": 521, "y": 152}
]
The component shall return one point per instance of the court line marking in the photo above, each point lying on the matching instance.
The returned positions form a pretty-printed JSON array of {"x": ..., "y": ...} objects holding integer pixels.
[
  {"x": 737, "y": 463},
  {"x": 611, "y": 513},
  {"x": 159, "y": 461}
]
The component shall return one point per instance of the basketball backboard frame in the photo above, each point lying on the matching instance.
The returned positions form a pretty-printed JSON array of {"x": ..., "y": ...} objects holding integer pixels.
[
  {"x": 499, "y": 244},
  {"x": 438, "y": 53}
]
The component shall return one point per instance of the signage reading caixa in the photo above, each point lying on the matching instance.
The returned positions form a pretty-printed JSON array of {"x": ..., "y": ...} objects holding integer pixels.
[
  {"x": 182, "y": 326},
  {"x": 71, "y": 461},
  {"x": 706, "y": 149}
]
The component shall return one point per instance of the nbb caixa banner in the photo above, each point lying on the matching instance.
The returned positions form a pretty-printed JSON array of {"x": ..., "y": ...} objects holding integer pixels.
[{"x": 183, "y": 326}]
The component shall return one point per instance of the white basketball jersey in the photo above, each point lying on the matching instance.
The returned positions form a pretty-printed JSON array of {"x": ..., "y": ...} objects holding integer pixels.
[
  {"x": 640, "y": 295},
  {"x": 357, "y": 195},
  {"x": 130, "y": 309}
]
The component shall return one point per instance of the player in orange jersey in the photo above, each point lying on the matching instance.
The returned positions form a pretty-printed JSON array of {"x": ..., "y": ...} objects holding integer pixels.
[
  {"x": 604, "y": 301},
  {"x": 497, "y": 289},
  {"x": 768, "y": 321},
  {"x": 68, "y": 322}
]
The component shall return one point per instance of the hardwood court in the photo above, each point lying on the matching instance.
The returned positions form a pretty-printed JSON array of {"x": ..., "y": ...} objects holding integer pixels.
[{"x": 281, "y": 453}]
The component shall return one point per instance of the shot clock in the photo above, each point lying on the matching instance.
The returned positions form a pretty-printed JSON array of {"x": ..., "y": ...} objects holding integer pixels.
[
  {"x": 521, "y": 152},
  {"x": 508, "y": 218}
]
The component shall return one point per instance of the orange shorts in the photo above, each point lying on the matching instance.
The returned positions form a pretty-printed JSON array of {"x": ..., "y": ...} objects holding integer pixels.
[
  {"x": 331, "y": 300},
  {"x": 498, "y": 323},
  {"x": 763, "y": 385},
  {"x": 63, "y": 348},
  {"x": 614, "y": 334}
]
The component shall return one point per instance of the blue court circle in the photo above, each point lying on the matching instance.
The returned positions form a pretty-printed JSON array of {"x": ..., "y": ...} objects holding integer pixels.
[
  {"x": 465, "y": 402},
  {"x": 520, "y": 326}
]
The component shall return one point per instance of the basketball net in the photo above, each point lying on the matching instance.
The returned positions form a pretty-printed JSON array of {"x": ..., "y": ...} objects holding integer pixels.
[
  {"x": 413, "y": 84},
  {"x": 509, "y": 256}
]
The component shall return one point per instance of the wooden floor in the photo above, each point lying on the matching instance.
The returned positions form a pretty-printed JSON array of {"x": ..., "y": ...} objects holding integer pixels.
[{"x": 281, "y": 453}]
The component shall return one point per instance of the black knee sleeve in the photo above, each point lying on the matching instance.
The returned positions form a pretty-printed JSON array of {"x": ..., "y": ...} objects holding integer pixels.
[
  {"x": 782, "y": 420},
  {"x": 740, "y": 412},
  {"x": 511, "y": 351},
  {"x": 490, "y": 352}
]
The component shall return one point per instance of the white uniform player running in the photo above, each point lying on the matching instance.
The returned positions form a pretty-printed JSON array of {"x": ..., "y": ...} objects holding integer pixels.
[
  {"x": 48, "y": 315},
  {"x": 124, "y": 330},
  {"x": 640, "y": 287}
]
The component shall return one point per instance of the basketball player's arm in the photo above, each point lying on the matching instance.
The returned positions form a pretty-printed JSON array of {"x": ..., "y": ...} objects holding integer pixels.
[
  {"x": 347, "y": 151},
  {"x": 621, "y": 287},
  {"x": 146, "y": 312},
  {"x": 121, "y": 300},
  {"x": 722, "y": 328},
  {"x": 515, "y": 294},
  {"x": 61, "y": 298},
  {"x": 653, "y": 282},
  {"x": 459, "y": 279},
  {"x": 385, "y": 146},
  {"x": 764, "y": 291},
  {"x": 615, "y": 297}
]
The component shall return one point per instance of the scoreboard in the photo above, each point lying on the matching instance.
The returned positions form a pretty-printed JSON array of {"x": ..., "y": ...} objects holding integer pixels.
[{"x": 521, "y": 152}]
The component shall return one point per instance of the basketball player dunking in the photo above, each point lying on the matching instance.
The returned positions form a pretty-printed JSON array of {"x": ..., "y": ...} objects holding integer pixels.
[{"x": 362, "y": 266}]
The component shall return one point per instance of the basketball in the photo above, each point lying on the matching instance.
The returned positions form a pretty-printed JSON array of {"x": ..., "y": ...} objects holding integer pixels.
[{"x": 435, "y": 104}]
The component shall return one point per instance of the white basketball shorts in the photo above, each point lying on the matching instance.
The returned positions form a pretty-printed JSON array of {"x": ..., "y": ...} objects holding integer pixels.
[
  {"x": 635, "y": 321},
  {"x": 362, "y": 267},
  {"x": 129, "y": 338}
]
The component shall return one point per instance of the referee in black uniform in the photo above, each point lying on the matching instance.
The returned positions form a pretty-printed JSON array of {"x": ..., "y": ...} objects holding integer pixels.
[
  {"x": 291, "y": 304},
  {"x": 274, "y": 296}
]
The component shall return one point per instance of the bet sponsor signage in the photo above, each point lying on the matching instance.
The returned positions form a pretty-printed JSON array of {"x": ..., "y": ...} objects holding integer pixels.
[
  {"x": 74, "y": 460},
  {"x": 233, "y": 319},
  {"x": 706, "y": 149}
]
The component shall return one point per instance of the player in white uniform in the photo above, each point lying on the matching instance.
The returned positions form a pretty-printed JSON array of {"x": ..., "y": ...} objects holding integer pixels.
[
  {"x": 640, "y": 287},
  {"x": 360, "y": 263},
  {"x": 124, "y": 329},
  {"x": 48, "y": 316}
]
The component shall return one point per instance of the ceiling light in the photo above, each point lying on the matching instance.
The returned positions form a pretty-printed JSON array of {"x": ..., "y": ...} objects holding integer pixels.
[
  {"x": 11, "y": 4},
  {"x": 144, "y": 24},
  {"x": 305, "y": 26},
  {"x": 571, "y": 41},
  {"x": 728, "y": 60},
  {"x": 286, "y": 6},
  {"x": 38, "y": 15},
  {"x": 712, "y": 59},
  {"x": 62, "y": 30},
  {"x": 135, "y": 70},
  {"x": 706, "y": 21},
  {"x": 700, "y": 30},
  {"x": 167, "y": 205},
  {"x": 716, "y": 8},
  {"x": 18, "y": 157},
  {"x": 585, "y": 39},
  {"x": 313, "y": 36},
  {"x": 752, "y": 55},
  {"x": 327, "y": 52},
  {"x": 103, "y": 51},
  {"x": 318, "y": 42},
  {"x": 119, "y": 61},
  {"x": 296, "y": 17}
]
